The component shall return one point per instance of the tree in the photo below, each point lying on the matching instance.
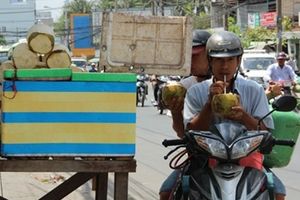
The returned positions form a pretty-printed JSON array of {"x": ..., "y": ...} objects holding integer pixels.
[
  {"x": 2, "y": 40},
  {"x": 79, "y": 6},
  {"x": 287, "y": 23},
  {"x": 75, "y": 6},
  {"x": 233, "y": 27},
  {"x": 258, "y": 34},
  {"x": 59, "y": 27},
  {"x": 115, "y": 4},
  {"x": 201, "y": 21}
]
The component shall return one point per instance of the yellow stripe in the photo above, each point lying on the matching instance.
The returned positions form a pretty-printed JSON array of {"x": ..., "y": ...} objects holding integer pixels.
[
  {"x": 68, "y": 133},
  {"x": 69, "y": 102}
]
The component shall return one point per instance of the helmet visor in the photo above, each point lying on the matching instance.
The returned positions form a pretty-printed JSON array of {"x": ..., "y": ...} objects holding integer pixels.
[
  {"x": 198, "y": 49},
  {"x": 222, "y": 53}
]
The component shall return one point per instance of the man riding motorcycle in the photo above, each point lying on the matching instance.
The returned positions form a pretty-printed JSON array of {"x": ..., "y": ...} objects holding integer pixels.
[
  {"x": 199, "y": 72},
  {"x": 224, "y": 51},
  {"x": 281, "y": 73}
]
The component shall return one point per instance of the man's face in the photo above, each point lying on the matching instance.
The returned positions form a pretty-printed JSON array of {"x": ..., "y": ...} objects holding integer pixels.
[
  {"x": 280, "y": 62},
  {"x": 224, "y": 67},
  {"x": 199, "y": 65}
]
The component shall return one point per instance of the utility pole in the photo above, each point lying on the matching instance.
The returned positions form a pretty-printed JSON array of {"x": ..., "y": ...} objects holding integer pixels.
[
  {"x": 161, "y": 7},
  {"x": 225, "y": 16},
  {"x": 154, "y": 7},
  {"x": 34, "y": 12},
  {"x": 279, "y": 25},
  {"x": 67, "y": 30}
]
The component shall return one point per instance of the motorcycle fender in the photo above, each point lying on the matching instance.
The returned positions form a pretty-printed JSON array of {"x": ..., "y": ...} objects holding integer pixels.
[
  {"x": 240, "y": 183},
  {"x": 224, "y": 183}
]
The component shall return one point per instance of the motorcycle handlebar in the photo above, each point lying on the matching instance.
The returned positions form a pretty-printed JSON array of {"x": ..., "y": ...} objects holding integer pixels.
[
  {"x": 175, "y": 142},
  {"x": 290, "y": 143}
]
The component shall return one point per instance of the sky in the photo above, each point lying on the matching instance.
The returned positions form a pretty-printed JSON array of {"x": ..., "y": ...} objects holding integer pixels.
[{"x": 55, "y": 6}]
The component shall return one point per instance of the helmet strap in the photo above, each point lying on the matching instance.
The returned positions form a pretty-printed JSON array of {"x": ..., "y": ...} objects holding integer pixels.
[{"x": 236, "y": 73}]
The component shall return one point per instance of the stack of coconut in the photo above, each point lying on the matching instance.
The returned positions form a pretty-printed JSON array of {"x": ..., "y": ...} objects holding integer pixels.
[{"x": 40, "y": 51}]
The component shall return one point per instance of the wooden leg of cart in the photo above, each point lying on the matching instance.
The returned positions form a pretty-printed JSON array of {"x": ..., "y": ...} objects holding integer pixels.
[
  {"x": 85, "y": 170},
  {"x": 101, "y": 186},
  {"x": 68, "y": 186},
  {"x": 121, "y": 186}
]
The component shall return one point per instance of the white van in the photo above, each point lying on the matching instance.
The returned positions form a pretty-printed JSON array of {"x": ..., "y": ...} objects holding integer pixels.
[
  {"x": 3, "y": 53},
  {"x": 79, "y": 62},
  {"x": 255, "y": 63}
]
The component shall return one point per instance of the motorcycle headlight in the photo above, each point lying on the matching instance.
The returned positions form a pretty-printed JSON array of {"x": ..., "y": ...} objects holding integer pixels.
[
  {"x": 212, "y": 146},
  {"x": 244, "y": 146}
]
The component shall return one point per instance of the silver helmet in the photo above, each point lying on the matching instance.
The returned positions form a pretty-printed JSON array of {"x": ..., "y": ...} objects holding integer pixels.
[{"x": 224, "y": 44}]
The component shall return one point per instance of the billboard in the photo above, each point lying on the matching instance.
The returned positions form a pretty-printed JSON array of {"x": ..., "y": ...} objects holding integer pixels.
[
  {"x": 82, "y": 35},
  {"x": 253, "y": 20},
  {"x": 268, "y": 19}
]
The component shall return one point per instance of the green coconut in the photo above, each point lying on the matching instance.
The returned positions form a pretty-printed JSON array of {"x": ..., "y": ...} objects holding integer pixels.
[
  {"x": 296, "y": 88},
  {"x": 171, "y": 90},
  {"x": 222, "y": 103}
]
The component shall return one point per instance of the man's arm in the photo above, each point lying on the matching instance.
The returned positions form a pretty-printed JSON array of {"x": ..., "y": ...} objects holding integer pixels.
[
  {"x": 176, "y": 108},
  {"x": 202, "y": 120},
  {"x": 293, "y": 75},
  {"x": 198, "y": 109},
  {"x": 268, "y": 73},
  {"x": 238, "y": 114},
  {"x": 178, "y": 125}
]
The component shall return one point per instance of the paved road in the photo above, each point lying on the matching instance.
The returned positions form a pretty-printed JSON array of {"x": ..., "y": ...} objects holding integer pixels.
[{"x": 152, "y": 169}]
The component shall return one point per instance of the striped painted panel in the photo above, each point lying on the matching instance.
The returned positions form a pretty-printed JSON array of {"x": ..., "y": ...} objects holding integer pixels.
[
  {"x": 71, "y": 102},
  {"x": 69, "y": 86},
  {"x": 68, "y": 118}
]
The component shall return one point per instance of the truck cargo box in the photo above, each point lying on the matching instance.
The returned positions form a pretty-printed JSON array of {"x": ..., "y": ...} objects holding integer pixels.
[
  {"x": 87, "y": 114},
  {"x": 156, "y": 44}
]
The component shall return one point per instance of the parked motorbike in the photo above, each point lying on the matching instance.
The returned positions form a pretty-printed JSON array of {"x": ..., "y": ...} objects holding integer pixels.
[
  {"x": 227, "y": 144},
  {"x": 161, "y": 82},
  {"x": 141, "y": 89}
]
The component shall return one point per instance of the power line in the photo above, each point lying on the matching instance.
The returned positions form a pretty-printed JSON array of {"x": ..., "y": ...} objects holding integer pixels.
[{"x": 61, "y": 32}]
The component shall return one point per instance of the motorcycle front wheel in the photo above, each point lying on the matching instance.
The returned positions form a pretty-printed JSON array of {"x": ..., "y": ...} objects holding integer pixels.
[{"x": 143, "y": 97}]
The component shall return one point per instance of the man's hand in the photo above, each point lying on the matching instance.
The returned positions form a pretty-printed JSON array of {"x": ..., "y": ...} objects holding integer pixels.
[
  {"x": 237, "y": 113},
  {"x": 216, "y": 88},
  {"x": 274, "y": 90}
]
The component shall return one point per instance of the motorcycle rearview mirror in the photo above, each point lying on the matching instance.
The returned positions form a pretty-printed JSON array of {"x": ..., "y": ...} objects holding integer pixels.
[
  {"x": 282, "y": 104},
  {"x": 285, "y": 104}
]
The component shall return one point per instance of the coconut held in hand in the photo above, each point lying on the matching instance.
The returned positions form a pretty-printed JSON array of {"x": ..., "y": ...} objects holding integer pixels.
[
  {"x": 296, "y": 88},
  {"x": 171, "y": 90},
  {"x": 222, "y": 103}
]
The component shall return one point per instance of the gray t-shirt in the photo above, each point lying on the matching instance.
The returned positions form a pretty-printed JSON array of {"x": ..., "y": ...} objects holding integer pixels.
[{"x": 252, "y": 98}]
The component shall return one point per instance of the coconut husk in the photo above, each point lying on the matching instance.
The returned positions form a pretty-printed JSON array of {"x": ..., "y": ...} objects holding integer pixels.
[
  {"x": 222, "y": 103},
  {"x": 59, "y": 57},
  {"x": 6, "y": 65},
  {"x": 171, "y": 90},
  {"x": 23, "y": 57},
  {"x": 40, "y": 38}
]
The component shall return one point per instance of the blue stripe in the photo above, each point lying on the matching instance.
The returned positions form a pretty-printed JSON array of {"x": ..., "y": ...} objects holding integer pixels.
[
  {"x": 74, "y": 148},
  {"x": 69, "y": 86},
  {"x": 73, "y": 117}
]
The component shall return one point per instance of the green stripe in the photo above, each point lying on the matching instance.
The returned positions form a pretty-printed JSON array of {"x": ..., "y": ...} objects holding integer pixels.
[
  {"x": 48, "y": 74},
  {"x": 105, "y": 77}
]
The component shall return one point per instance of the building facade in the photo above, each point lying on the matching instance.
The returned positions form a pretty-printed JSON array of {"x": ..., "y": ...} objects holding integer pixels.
[
  {"x": 16, "y": 17},
  {"x": 291, "y": 8},
  {"x": 44, "y": 17}
]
